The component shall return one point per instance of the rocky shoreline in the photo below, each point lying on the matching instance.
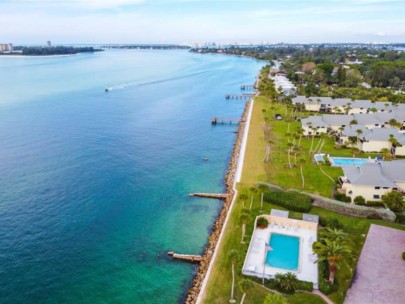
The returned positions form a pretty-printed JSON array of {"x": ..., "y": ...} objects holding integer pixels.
[{"x": 194, "y": 290}]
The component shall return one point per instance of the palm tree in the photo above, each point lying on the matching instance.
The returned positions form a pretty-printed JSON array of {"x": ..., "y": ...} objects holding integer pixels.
[
  {"x": 287, "y": 281},
  {"x": 387, "y": 153},
  {"x": 245, "y": 285},
  {"x": 332, "y": 251},
  {"x": 395, "y": 143},
  {"x": 334, "y": 234},
  {"x": 244, "y": 217},
  {"x": 233, "y": 258},
  {"x": 274, "y": 298},
  {"x": 394, "y": 123}
]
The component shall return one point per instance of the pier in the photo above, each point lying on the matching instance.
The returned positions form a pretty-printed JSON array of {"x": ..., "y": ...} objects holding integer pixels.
[
  {"x": 239, "y": 96},
  {"x": 221, "y": 196},
  {"x": 223, "y": 120},
  {"x": 247, "y": 87},
  {"x": 186, "y": 257}
]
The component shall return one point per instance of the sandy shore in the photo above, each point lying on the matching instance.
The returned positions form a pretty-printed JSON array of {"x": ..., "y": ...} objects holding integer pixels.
[{"x": 195, "y": 293}]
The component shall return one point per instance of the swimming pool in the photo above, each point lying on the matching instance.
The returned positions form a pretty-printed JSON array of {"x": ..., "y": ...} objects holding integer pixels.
[
  {"x": 347, "y": 161},
  {"x": 284, "y": 253}
]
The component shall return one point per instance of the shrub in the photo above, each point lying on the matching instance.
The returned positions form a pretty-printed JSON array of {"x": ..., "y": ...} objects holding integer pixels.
[
  {"x": 394, "y": 200},
  {"x": 400, "y": 218},
  {"x": 403, "y": 256},
  {"x": 343, "y": 198},
  {"x": 326, "y": 288},
  {"x": 359, "y": 200},
  {"x": 273, "y": 298},
  {"x": 308, "y": 286},
  {"x": 262, "y": 222},
  {"x": 290, "y": 200},
  {"x": 330, "y": 222},
  {"x": 373, "y": 204}
]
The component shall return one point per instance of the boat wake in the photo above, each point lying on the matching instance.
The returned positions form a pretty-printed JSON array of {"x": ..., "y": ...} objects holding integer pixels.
[{"x": 137, "y": 84}]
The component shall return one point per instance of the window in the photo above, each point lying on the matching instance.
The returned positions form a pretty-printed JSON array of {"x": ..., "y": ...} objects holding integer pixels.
[
  {"x": 376, "y": 196},
  {"x": 377, "y": 188},
  {"x": 385, "y": 187}
]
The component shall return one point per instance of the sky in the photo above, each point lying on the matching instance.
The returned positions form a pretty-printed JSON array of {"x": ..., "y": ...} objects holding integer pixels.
[{"x": 191, "y": 21}]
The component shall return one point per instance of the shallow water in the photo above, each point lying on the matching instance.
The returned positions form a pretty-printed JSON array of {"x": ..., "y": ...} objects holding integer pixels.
[{"x": 94, "y": 185}]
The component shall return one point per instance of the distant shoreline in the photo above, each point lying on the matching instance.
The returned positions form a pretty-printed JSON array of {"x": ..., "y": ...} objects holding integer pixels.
[{"x": 33, "y": 56}]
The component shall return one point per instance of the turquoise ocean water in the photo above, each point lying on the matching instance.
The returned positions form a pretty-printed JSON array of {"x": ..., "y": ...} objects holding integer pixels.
[{"x": 94, "y": 185}]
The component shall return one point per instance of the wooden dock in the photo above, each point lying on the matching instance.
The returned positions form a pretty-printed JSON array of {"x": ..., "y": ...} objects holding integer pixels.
[
  {"x": 223, "y": 120},
  {"x": 247, "y": 87},
  {"x": 186, "y": 257},
  {"x": 221, "y": 196},
  {"x": 239, "y": 96}
]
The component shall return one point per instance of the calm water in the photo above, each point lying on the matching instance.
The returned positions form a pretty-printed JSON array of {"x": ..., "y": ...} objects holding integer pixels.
[{"x": 94, "y": 186}]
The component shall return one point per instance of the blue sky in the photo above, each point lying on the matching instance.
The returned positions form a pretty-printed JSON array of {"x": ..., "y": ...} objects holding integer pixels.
[{"x": 188, "y": 21}]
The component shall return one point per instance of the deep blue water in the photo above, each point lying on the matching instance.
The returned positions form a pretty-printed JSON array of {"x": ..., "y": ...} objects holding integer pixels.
[
  {"x": 284, "y": 253},
  {"x": 94, "y": 185}
]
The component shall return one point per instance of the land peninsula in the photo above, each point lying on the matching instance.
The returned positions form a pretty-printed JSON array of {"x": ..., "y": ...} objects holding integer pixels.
[
  {"x": 279, "y": 173},
  {"x": 49, "y": 51}
]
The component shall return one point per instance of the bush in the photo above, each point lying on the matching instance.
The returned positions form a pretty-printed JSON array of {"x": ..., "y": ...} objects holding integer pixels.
[
  {"x": 400, "y": 218},
  {"x": 330, "y": 222},
  {"x": 290, "y": 200},
  {"x": 372, "y": 204},
  {"x": 262, "y": 222},
  {"x": 326, "y": 288},
  {"x": 403, "y": 256},
  {"x": 359, "y": 200},
  {"x": 394, "y": 200},
  {"x": 308, "y": 286},
  {"x": 342, "y": 198}
]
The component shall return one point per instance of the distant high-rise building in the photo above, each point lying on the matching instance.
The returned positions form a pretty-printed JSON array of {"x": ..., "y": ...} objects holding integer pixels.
[
  {"x": 49, "y": 43},
  {"x": 6, "y": 47}
]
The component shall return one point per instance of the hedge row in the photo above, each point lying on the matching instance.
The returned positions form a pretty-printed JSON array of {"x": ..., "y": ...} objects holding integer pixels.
[{"x": 290, "y": 200}]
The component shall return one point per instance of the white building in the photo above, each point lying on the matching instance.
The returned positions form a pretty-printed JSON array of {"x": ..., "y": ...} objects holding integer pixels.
[{"x": 6, "y": 48}]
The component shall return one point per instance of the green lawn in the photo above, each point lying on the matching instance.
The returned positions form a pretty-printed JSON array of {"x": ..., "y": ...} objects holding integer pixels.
[{"x": 264, "y": 130}]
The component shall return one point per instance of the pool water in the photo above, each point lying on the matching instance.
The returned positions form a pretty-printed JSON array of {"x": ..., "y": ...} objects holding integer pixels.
[
  {"x": 346, "y": 161},
  {"x": 284, "y": 253}
]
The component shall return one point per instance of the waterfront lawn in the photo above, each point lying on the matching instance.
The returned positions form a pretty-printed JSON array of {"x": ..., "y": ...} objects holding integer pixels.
[
  {"x": 280, "y": 134},
  {"x": 219, "y": 284}
]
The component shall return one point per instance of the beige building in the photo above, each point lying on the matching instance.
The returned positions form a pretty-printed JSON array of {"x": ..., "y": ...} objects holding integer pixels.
[{"x": 373, "y": 180}]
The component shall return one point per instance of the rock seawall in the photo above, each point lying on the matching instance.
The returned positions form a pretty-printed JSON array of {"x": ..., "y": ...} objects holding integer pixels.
[{"x": 219, "y": 223}]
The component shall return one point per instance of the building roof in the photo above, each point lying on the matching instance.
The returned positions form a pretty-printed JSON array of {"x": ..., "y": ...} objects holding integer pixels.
[
  {"x": 366, "y": 119},
  {"x": 383, "y": 134},
  {"x": 314, "y": 121},
  {"x": 352, "y": 130},
  {"x": 380, "y": 272},
  {"x": 382, "y": 174},
  {"x": 337, "y": 120},
  {"x": 310, "y": 218},
  {"x": 279, "y": 213}
]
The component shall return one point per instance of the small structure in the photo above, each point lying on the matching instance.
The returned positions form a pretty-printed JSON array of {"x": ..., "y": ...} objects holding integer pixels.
[{"x": 380, "y": 273}]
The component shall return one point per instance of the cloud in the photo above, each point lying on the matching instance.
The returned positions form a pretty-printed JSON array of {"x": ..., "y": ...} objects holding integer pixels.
[{"x": 89, "y": 4}]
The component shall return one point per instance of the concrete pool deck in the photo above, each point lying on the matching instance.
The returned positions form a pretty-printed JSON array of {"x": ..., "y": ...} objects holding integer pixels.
[
  {"x": 306, "y": 231},
  {"x": 380, "y": 272}
]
